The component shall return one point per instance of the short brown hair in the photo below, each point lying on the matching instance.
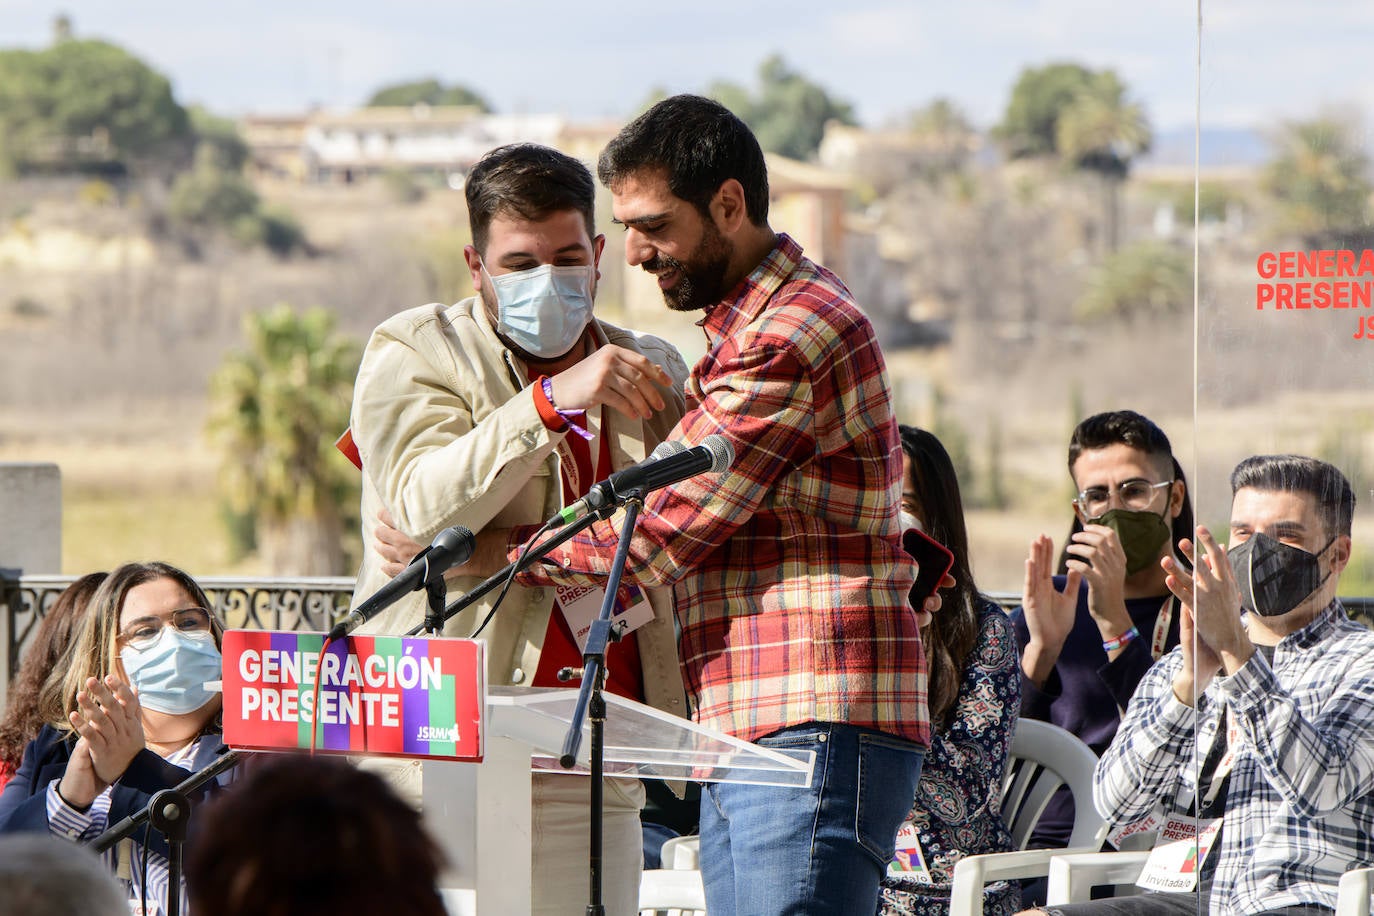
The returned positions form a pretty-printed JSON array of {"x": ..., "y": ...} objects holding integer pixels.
[{"x": 529, "y": 181}]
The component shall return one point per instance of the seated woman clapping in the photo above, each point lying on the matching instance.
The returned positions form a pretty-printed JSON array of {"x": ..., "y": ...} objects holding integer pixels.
[{"x": 141, "y": 713}]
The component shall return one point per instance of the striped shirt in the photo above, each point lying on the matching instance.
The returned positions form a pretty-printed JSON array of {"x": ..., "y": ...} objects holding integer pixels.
[
  {"x": 788, "y": 571},
  {"x": 85, "y": 826},
  {"x": 1299, "y": 806}
]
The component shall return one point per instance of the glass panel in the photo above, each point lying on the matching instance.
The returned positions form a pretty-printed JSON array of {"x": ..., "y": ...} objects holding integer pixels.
[
  {"x": 640, "y": 741},
  {"x": 1285, "y": 364}
]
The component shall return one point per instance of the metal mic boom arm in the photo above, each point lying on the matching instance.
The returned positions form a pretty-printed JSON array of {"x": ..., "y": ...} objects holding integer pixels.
[{"x": 537, "y": 552}]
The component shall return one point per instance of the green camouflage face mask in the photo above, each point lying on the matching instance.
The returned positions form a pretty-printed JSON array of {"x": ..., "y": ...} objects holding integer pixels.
[{"x": 1141, "y": 533}]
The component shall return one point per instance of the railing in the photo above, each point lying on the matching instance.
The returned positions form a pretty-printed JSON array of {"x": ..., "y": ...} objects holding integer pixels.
[
  {"x": 269, "y": 604},
  {"x": 274, "y": 604}
]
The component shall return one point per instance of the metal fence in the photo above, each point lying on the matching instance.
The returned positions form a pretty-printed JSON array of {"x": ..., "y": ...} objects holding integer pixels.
[
  {"x": 268, "y": 604},
  {"x": 272, "y": 604}
]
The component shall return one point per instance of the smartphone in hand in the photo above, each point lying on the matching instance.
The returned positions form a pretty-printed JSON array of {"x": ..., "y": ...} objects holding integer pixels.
[{"x": 933, "y": 560}]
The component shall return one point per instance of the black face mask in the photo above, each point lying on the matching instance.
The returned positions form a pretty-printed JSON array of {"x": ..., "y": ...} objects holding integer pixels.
[{"x": 1273, "y": 577}]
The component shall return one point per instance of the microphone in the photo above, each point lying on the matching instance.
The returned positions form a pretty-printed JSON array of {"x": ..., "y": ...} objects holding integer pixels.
[
  {"x": 450, "y": 547},
  {"x": 669, "y": 463}
]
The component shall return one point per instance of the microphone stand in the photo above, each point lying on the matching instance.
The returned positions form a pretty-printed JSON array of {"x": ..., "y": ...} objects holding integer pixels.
[
  {"x": 170, "y": 812},
  {"x": 436, "y": 593},
  {"x": 564, "y": 534},
  {"x": 590, "y": 702}
]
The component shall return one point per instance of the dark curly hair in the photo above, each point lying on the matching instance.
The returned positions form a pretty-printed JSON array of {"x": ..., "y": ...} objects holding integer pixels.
[{"x": 30, "y": 706}]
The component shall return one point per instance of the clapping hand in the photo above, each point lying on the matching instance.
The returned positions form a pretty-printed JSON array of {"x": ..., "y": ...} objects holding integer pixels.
[{"x": 109, "y": 723}]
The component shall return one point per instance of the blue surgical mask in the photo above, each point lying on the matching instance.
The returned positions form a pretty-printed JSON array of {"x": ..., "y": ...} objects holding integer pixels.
[
  {"x": 170, "y": 675},
  {"x": 545, "y": 309}
]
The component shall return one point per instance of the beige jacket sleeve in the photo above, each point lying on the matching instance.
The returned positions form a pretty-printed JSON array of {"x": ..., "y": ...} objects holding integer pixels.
[{"x": 428, "y": 456}]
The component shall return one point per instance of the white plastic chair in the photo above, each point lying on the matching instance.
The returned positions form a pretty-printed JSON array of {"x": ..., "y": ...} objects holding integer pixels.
[
  {"x": 1043, "y": 758},
  {"x": 1072, "y": 878},
  {"x": 676, "y": 888},
  {"x": 1352, "y": 897},
  {"x": 1074, "y": 875}
]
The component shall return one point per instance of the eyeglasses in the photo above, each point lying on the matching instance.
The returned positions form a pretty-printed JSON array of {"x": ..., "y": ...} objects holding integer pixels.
[
  {"x": 1135, "y": 494},
  {"x": 144, "y": 632}
]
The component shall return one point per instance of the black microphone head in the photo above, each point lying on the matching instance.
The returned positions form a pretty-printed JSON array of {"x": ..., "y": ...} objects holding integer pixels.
[
  {"x": 455, "y": 543},
  {"x": 722, "y": 452}
]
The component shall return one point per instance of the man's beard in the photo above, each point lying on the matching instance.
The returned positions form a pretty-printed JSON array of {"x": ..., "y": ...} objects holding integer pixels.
[{"x": 701, "y": 278}]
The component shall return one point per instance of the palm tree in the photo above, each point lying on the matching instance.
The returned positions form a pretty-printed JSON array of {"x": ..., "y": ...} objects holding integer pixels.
[
  {"x": 1319, "y": 178},
  {"x": 1100, "y": 131},
  {"x": 276, "y": 409}
]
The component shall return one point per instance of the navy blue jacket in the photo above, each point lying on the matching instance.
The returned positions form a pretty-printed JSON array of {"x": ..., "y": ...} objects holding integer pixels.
[{"x": 24, "y": 805}]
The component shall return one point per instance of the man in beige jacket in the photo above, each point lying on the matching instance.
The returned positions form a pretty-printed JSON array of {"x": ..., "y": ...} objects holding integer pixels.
[{"x": 498, "y": 410}]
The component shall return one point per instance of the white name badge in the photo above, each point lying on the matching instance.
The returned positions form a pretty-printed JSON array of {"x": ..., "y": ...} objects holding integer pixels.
[
  {"x": 909, "y": 863},
  {"x": 1176, "y": 861},
  {"x": 581, "y": 605}
]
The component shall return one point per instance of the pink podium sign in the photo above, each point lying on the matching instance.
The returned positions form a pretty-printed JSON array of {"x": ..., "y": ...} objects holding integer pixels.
[{"x": 378, "y": 695}]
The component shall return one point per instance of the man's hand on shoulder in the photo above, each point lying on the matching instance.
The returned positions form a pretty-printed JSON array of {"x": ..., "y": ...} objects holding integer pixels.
[
  {"x": 621, "y": 379},
  {"x": 397, "y": 549},
  {"x": 394, "y": 546}
]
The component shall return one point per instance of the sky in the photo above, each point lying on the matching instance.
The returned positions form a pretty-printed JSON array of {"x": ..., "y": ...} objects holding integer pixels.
[{"x": 1262, "y": 59}]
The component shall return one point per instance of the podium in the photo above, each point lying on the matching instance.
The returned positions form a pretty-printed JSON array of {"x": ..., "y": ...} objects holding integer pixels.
[{"x": 479, "y": 813}]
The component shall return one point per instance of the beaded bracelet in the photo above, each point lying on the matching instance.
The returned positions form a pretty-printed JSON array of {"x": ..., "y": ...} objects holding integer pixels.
[
  {"x": 1120, "y": 642},
  {"x": 570, "y": 417}
]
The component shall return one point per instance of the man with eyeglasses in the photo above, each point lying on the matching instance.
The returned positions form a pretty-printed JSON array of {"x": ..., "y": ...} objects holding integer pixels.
[
  {"x": 1254, "y": 735},
  {"x": 1087, "y": 637}
]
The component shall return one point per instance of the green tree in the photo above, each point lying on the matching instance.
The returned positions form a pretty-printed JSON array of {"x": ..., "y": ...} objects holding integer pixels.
[
  {"x": 426, "y": 92},
  {"x": 276, "y": 409},
  {"x": 1084, "y": 118},
  {"x": 1101, "y": 131},
  {"x": 997, "y": 495},
  {"x": 943, "y": 121},
  {"x": 1319, "y": 178},
  {"x": 946, "y": 134},
  {"x": 1030, "y": 126},
  {"x": 1211, "y": 203},
  {"x": 222, "y": 136},
  {"x": 789, "y": 112},
  {"x": 211, "y": 195},
  {"x": 1150, "y": 277},
  {"x": 87, "y": 103}
]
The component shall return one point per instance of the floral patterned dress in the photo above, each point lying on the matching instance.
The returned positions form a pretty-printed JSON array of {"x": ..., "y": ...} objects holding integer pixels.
[{"x": 957, "y": 810}]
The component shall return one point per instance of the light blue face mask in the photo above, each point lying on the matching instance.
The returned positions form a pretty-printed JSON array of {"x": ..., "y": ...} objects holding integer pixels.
[
  {"x": 545, "y": 309},
  {"x": 170, "y": 674}
]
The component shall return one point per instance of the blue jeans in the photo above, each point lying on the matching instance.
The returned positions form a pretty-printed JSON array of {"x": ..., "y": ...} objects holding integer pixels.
[{"x": 823, "y": 849}]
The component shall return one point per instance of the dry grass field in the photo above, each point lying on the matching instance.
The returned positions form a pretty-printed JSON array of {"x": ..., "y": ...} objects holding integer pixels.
[{"x": 107, "y": 379}]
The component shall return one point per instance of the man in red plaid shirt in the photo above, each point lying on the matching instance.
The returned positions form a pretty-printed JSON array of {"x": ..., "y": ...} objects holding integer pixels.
[{"x": 790, "y": 580}]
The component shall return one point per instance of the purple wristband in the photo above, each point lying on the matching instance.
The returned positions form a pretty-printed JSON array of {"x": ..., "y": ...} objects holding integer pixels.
[{"x": 570, "y": 417}]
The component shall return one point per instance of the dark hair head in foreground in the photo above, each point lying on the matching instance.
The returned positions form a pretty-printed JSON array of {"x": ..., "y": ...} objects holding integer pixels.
[{"x": 311, "y": 836}]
